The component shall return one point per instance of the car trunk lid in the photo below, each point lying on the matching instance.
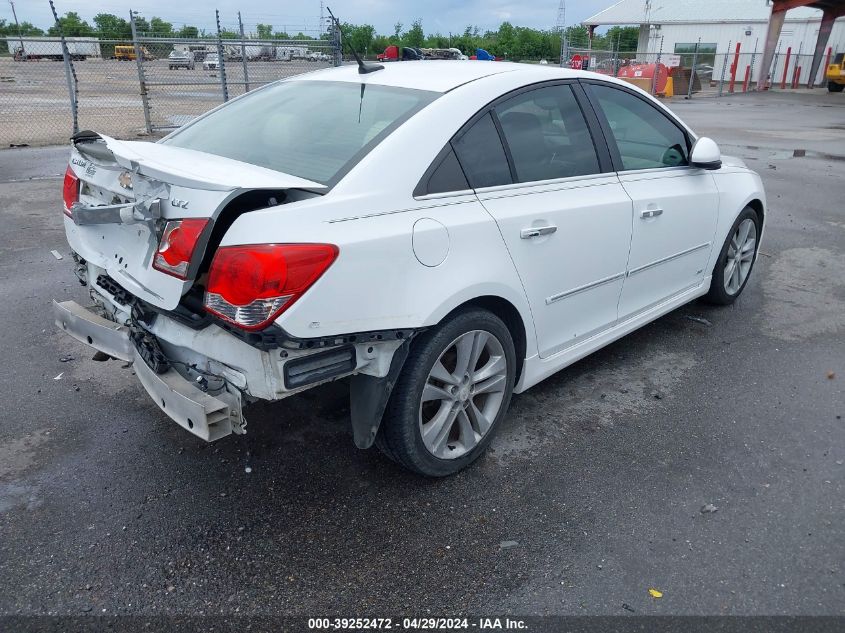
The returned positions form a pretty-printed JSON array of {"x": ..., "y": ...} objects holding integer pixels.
[{"x": 129, "y": 190}]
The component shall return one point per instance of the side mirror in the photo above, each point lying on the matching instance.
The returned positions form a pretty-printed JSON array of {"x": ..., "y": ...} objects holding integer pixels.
[{"x": 705, "y": 154}]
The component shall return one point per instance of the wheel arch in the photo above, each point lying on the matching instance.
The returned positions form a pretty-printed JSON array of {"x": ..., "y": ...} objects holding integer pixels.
[
  {"x": 759, "y": 209},
  {"x": 509, "y": 315}
]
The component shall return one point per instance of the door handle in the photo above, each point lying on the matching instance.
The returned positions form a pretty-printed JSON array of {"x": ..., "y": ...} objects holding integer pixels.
[
  {"x": 537, "y": 231},
  {"x": 650, "y": 213}
]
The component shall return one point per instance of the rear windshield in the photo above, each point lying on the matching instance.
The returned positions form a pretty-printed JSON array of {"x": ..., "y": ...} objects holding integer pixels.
[{"x": 312, "y": 129}]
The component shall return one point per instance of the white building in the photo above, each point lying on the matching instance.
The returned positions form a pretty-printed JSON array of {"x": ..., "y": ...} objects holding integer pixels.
[{"x": 675, "y": 26}]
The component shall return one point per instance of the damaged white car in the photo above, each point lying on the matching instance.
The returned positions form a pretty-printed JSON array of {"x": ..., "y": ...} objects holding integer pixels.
[{"x": 444, "y": 234}]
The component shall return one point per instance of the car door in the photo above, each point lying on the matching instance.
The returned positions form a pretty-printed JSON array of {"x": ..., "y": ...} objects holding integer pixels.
[
  {"x": 675, "y": 205},
  {"x": 564, "y": 216}
]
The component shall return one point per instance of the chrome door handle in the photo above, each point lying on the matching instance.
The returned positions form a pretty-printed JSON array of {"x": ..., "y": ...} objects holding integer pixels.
[
  {"x": 537, "y": 231},
  {"x": 650, "y": 213}
]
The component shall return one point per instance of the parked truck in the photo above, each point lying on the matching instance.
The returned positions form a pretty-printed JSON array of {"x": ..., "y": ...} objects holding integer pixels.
[
  {"x": 835, "y": 74},
  {"x": 51, "y": 48}
]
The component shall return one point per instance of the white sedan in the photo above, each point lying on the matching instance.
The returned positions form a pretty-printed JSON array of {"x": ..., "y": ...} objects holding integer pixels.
[{"x": 444, "y": 234}]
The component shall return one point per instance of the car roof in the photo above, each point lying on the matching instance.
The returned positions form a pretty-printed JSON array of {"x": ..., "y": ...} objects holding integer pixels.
[{"x": 439, "y": 75}]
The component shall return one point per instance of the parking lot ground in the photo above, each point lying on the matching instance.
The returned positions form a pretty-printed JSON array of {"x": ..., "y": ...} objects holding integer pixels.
[{"x": 596, "y": 489}]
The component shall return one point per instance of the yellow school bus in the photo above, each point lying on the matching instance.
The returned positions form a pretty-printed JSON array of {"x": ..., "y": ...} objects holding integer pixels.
[{"x": 128, "y": 53}]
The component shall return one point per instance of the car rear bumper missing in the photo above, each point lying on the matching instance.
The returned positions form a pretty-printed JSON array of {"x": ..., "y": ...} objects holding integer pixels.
[{"x": 207, "y": 416}]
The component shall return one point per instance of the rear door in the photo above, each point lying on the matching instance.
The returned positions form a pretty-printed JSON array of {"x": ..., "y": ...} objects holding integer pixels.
[
  {"x": 675, "y": 206},
  {"x": 564, "y": 216}
]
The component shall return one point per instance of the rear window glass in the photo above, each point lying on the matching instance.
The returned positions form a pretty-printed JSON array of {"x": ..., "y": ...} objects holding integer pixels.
[{"x": 311, "y": 129}]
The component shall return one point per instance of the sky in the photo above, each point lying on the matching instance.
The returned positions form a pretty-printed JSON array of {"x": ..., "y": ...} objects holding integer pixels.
[{"x": 292, "y": 15}]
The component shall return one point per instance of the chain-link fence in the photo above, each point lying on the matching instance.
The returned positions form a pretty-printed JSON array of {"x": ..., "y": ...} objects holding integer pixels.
[
  {"x": 185, "y": 77},
  {"x": 50, "y": 86},
  {"x": 144, "y": 85}
]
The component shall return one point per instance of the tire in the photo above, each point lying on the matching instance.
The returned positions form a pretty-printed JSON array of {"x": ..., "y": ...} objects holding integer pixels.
[
  {"x": 724, "y": 291},
  {"x": 832, "y": 86},
  {"x": 460, "y": 425}
]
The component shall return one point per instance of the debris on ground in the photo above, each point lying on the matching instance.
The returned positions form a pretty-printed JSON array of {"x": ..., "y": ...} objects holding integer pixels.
[
  {"x": 709, "y": 509},
  {"x": 66, "y": 358},
  {"x": 698, "y": 319},
  {"x": 657, "y": 395},
  {"x": 248, "y": 469},
  {"x": 655, "y": 593},
  {"x": 508, "y": 544},
  {"x": 831, "y": 375},
  {"x": 59, "y": 377},
  {"x": 56, "y": 254},
  {"x": 627, "y": 607}
]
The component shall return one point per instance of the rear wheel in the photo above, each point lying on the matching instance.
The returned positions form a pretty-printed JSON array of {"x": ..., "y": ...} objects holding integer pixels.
[
  {"x": 453, "y": 392},
  {"x": 736, "y": 259},
  {"x": 832, "y": 86}
]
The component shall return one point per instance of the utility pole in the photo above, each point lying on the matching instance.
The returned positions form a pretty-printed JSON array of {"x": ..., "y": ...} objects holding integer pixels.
[
  {"x": 560, "y": 27},
  {"x": 17, "y": 24}
]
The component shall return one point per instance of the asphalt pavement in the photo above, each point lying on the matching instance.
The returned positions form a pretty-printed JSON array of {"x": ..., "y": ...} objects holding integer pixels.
[{"x": 702, "y": 456}]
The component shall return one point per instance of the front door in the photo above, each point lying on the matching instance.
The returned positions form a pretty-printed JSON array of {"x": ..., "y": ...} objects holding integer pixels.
[{"x": 675, "y": 206}]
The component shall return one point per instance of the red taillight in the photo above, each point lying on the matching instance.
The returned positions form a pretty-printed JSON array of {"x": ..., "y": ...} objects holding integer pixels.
[
  {"x": 70, "y": 190},
  {"x": 251, "y": 286},
  {"x": 178, "y": 243}
]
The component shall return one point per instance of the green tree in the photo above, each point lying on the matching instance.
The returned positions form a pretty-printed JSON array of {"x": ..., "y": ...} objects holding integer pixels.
[
  {"x": 187, "y": 31},
  {"x": 359, "y": 37},
  {"x": 111, "y": 27},
  {"x": 72, "y": 26},
  {"x": 160, "y": 28},
  {"x": 415, "y": 35},
  {"x": 264, "y": 31}
]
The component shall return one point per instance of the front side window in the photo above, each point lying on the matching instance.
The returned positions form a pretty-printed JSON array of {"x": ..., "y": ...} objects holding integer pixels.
[
  {"x": 547, "y": 135},
  {"x": 312, "y": 129},
  {"x": 646, "y": 137}
]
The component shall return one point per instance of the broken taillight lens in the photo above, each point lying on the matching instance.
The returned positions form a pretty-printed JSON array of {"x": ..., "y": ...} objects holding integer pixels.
[
  {"x": 250, "y": 286},
  {"x": 70, "y": 191},
  {"x": 178, "y": 243}
]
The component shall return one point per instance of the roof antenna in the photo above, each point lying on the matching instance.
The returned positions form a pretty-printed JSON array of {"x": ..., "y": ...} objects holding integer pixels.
[{"x": 363, "y": 68}]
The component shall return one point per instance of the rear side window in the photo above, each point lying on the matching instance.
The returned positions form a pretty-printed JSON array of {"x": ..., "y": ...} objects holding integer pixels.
[
  {"x": 547, "y": 135},
  {"x": 646, "y": 137},
  {"x": 482, "y": 156},
  {"x": 447, "y": 176}
]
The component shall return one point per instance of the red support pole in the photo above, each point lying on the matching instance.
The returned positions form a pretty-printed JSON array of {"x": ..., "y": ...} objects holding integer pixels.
[
  {"x": 796, "y": 76},
  {"x": 785, "y": 68},
  {"x": 734, "y": 67},
  {"x": 747, "y": 78}
]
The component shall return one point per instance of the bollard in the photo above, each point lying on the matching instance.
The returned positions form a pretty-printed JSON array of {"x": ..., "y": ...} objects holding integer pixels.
[
  {"x": 785, "y": 68},
  {"x": 734, "y": 67}
]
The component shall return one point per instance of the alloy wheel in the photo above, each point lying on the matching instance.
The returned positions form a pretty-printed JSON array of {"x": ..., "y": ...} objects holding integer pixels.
[
  {"x": 740, "y": 256},
  {"x": 463, "y": 394}
]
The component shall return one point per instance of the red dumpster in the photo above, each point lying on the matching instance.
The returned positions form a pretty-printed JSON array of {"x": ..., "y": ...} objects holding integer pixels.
[{"x": 642, "y": 75}]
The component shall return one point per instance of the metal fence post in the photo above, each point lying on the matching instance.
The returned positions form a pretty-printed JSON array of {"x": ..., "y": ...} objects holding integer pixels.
[
  {"x": 692, "y": 71},
  {"x": 243, "y": 53},
  {"x": 220, "y": 62},
  {"x": 724, "y": 68},
  {"x": 753, "y": 59},
  {"x": 337, "y": 42},
  {"x": 656, "y": 64},
  {"x": 70, "y": 72},
  {"x": 142, "y": 82}
]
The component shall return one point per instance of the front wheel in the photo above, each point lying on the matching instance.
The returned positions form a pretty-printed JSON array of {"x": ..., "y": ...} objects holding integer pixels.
[
  {"x": 736, "y": 259},
  {"x": 453, "y": 392},
  {"x": 832, "y": 86}
]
